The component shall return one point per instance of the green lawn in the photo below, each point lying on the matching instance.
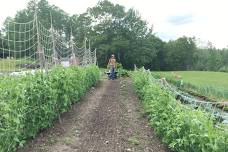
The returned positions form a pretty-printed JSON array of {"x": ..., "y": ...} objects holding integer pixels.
[
  {"x": 9, "y": 65},
  {"x": 211, "y": 84}
]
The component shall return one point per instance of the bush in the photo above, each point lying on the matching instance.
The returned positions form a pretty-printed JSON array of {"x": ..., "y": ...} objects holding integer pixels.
[
  {"x": 183, "y": 128},
  {"x": 119, "y": 66},
  {"x": 31, "y": 103},
  {"x": 121, "y": 71},
  {"x": 223, "y": 69}
]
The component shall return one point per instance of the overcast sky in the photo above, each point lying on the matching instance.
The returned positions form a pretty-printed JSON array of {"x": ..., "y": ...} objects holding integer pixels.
[{"x": 204, "y": 19}]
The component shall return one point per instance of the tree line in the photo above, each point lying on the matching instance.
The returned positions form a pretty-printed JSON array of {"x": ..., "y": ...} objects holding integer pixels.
[{"x": 113, "y": 29}]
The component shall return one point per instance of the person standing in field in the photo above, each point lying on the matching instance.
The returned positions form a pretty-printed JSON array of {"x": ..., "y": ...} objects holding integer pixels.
[{"x": 112, "y": 66}]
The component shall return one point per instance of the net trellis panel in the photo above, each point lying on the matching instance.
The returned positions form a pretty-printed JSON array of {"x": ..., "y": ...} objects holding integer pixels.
[{"x": 31, "y": 45}]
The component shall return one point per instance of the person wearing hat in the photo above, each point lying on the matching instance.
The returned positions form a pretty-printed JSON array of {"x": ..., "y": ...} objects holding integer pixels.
[{"x": 112, "y": 67}]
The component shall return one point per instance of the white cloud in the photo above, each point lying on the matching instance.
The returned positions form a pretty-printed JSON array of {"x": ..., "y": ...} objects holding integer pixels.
[
  {"x": 10, "y": 8},
  {"x": 208, "y": 17}
]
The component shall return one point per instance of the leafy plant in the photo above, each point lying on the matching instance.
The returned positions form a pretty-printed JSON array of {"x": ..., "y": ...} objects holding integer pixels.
[
  {"x": 183, "y": 128},
  {"x": 31, "y": 103},
  {"x": 121, "y": 71}
]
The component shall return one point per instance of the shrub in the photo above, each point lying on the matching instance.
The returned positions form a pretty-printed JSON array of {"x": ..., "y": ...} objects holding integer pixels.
[{"x": 223, "y": 69}]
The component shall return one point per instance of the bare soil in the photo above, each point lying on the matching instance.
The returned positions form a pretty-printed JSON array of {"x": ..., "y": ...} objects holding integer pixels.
[{"x": 108, "y": 119}]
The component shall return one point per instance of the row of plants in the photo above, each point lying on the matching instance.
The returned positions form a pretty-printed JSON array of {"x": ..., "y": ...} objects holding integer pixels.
[
  {"x": 31, "y": 103},
  {"x": 182, "y": 128}
]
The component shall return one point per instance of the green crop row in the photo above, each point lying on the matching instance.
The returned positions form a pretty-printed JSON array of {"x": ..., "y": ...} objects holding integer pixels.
[
  {"x": 31, "y": 103},
  {"x": 183, "y": 128}
]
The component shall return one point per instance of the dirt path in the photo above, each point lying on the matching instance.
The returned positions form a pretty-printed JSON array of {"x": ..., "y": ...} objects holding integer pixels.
[{"x": 108, "y": 119}]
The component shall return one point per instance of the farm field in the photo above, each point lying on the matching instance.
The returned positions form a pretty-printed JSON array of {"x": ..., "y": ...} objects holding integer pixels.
[
  {"x": 211, "y": 84},
  {"x": 113, "y": 77}
]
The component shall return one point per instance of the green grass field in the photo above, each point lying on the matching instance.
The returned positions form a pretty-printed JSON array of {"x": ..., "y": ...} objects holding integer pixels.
[
  {"x": 9, "y": 65},
  {"x": 211, "y": 84}
]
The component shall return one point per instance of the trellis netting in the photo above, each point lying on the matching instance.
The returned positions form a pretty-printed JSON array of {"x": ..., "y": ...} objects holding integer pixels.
[{"x": 30, "y": 45}]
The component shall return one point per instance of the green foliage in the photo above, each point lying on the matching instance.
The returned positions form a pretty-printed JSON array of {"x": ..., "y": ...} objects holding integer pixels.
[
  {"x": 121, "y": 71},
  {"x": 210, "y": 59},
  {"x": 31, "y": 103},
  {"x": 122, "y": 33},
  {"x": 119, "y": 66},
  {"x": 179, "y": 53},
  {"x": 183, "y": 128},
  {"x": 224, "y": 69},
  {"x": 113, "y": 29}
]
